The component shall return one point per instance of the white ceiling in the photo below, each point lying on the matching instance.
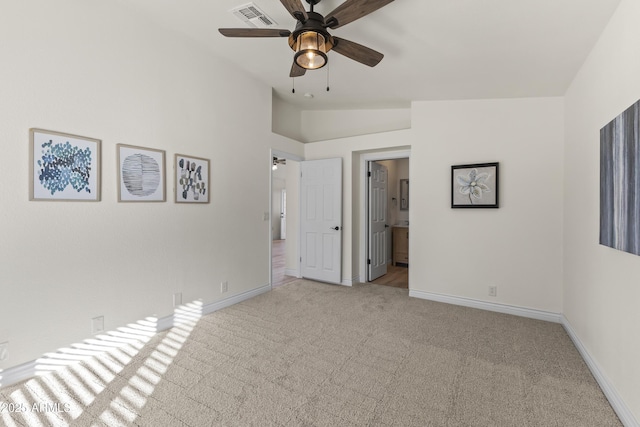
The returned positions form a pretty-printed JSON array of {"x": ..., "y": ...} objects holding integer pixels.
[{"x": 434, "y": 49}]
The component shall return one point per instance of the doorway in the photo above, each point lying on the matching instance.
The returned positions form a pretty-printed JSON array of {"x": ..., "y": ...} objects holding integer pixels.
[
  {"x": 387, "y": 220},
  {"x": 311, "y": 244},
  {"x": 285, "y": 177}
]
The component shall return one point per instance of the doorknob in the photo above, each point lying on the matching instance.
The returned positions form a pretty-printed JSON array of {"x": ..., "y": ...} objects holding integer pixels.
[{"x": 334, "y": 228}]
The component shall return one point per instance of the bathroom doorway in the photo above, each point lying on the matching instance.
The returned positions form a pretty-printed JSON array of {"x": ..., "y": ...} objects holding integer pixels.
[{"x": 387, "y": 222}]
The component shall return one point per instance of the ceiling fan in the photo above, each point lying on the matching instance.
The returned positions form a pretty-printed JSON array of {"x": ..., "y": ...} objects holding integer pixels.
[{"x": 311, "y": 41}]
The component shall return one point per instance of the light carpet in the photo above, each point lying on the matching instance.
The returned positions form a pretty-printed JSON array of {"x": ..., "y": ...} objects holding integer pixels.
[{"x": 312, "y": 354}]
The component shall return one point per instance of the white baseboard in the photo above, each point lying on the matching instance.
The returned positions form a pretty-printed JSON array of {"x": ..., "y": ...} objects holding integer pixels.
[
  {"x": 164, "y": 323},
  {"x": 167, "y": 322},
  {"x": 27, "y": 370},
  {"x": 489, "y": 306},
  {"x": 292, "y": 272},
  {"x": 18, "y": 373},
  {"x": 350, "y": 282},
  {"x": 227, "y": 302},
  {"x": 617, "y": 403}
]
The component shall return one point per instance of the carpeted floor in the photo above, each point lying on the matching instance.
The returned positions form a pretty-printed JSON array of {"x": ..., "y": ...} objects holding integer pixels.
[{"x": 311, "y": 354}]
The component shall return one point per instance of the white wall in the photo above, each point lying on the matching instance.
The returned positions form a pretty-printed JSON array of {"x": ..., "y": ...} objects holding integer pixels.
[
  {"x": 322, "y": 125},
  {"x": 95, "y": 69},
  {"x": 602, "y": 286},
  {"x": 505, "y": 247},
  {"x": 402, "y": 172},
  {"x": 518, "y": 247},
  {"x": 286, "y": 119}
]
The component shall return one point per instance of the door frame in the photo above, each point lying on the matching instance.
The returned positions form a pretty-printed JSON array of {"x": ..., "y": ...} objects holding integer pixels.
[
  {"x": 364, "y": 203},
  {"x": 280, "y": 154}
]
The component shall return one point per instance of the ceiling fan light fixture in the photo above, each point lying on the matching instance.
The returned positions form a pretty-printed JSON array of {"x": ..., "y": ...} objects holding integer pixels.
[{"x": 311, "y": 48}]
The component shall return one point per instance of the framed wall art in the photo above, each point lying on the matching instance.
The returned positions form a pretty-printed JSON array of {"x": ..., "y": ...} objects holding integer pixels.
[
  {"x": 404, "y": 194},
  {"x": 620, "y": 182},
  {"x": 191, "y": 179},
  {"x": 474, "y": 186},
  {"x": 63, "y": 166},
  {"x": 141, "y": 174}
]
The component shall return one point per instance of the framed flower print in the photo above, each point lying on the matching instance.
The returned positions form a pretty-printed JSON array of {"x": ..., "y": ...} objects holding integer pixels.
[{"x": 474, "y": 185}]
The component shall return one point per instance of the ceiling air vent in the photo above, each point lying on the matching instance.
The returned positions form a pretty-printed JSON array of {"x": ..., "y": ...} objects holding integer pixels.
[{"x": 253, "y": 16}]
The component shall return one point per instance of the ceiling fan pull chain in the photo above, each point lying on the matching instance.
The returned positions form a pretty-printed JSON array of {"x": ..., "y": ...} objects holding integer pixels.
[
  {"x": 293, "y": 85},
  {"x": 327, "y": 77}
]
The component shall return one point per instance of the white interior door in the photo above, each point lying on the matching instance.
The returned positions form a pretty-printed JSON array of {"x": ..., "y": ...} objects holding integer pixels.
[
  {"x": 321, "y": 220},
  {"x": 378, "y": 227}
]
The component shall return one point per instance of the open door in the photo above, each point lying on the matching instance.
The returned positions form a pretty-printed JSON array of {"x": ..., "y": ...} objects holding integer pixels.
[
  {"x": 321, "y": 220},
  {"x": 378, "y": 227}
]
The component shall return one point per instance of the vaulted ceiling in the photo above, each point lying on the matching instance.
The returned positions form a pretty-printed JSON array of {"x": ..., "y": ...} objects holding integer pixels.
[{"x": 434, "y": 49}]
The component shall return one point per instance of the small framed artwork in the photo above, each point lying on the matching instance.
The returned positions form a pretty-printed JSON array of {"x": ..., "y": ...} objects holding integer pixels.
[
  {"x": 191, "y": 179},
  {"x": 404, "y": 194},
  {"x": 63, "y": 166},
  {"x": 141, "y": 174},
  {"x": 474, "y": 186}
]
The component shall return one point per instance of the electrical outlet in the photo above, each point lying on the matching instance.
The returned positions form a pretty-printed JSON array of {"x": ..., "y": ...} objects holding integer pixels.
[
  {"x": 493, "y": 291},
  {"x": 177, "y": 299},
  {"x": 265, "y": 216},
  {"x": 224, "y": 286},
  {"x": 97, "y": 324},
  {"x": 4, "y": 350}
]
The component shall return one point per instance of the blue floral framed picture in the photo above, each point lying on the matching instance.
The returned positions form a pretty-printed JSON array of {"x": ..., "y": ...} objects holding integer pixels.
[
  {"x": 63, "y": 166},
  {"x": 475, "y": 185}
]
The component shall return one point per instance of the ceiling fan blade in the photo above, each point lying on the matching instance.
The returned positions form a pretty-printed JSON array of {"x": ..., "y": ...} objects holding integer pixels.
[
  {"x": 296, "y": 70},
  {"x": 357, "y": 52},
  {"x": 296, "y": 9},
  {"x": 351, "y": 10},
  {"x": 254, "y": 32}
]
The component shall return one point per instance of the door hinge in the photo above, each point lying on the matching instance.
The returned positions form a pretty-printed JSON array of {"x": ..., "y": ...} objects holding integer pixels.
[
  {"x": 369, "y": 174},
  {"x": 369, "y": 262}
]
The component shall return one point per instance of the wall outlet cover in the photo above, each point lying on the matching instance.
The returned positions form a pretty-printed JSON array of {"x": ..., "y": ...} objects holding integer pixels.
[
  {"x": 97, "y": 324},
  {"x": 177, "y": 299},
  {"x": 4, "y": 350}
]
